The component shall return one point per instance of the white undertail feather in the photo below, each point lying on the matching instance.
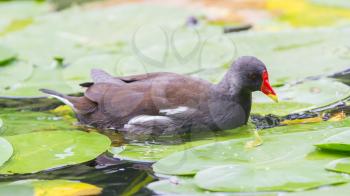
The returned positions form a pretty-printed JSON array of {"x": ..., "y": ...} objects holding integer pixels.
[{"x": 65, "y": 101}]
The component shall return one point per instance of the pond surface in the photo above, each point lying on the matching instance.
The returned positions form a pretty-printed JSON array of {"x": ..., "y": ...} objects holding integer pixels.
[{"x": 54, "y": 46}]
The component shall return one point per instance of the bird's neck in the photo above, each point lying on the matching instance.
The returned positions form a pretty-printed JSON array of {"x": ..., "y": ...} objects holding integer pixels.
[
  {"x": 231, "y": 89},
  {"x": 230, "y": 85}
]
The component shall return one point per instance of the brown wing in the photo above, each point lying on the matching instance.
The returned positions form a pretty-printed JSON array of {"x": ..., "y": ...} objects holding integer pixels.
[
  {"x": 100, "y": 76},
  {"x": 144, "y": 77},
  {"x": 148, "y": 96}
]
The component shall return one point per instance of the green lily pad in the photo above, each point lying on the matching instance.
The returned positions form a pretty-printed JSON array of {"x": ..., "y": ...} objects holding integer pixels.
[
  {"x": 279, "y": 109},
  {"x": 176, "y": 185},
  {"x": 6, "y": 55},
  {"x": 272, "y": 152},
  {"x": 22, "y": 9},
  {"x": 20, "y": 122},
  {"x": 182, "y": 185},
  {"x": 13, "y": 75},
  {"x": 79, "y": 71},
  {"x": 317, "y": 92},
  {"x": 16, "y": 189},
  {"x": 338, "y": 190},
  {"x": 5, "y": 151},
  {"x": 47, "y": 150},
  {"x": 274, "y": 48},
  {"x": 29, "y": 87},
  {"x": 238, "y": 178},
  {"x": 313, "y": 93},
  {"x": 340, "y": 165},
  {"x": 339, "y": 142}
]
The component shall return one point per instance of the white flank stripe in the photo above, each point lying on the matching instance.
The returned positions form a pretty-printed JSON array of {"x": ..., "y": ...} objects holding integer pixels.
[
  {"x": 145, "y": 118},
  {"x": 177, "y": 110}
]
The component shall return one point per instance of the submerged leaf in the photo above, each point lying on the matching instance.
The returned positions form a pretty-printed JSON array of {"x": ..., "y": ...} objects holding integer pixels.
[
  {"x": 302, "y": 121},
  {"x": 47, "y": 150},
  {"x": 48, "y": 188},
  {"x": 64, "y": 188},
  {"x": 257, "y": 142},
  {"x": 154, "y": 152}
]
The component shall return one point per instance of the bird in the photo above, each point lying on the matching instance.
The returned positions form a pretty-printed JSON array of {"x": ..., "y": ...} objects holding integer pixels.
[{"x": 164, "y": 103}]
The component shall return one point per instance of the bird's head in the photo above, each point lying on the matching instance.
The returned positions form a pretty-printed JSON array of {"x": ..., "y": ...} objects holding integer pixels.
[{"x": 251, "y": 74}]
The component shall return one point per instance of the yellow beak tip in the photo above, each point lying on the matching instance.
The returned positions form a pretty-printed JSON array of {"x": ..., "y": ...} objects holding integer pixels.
[{"x": 273, "y": 97}]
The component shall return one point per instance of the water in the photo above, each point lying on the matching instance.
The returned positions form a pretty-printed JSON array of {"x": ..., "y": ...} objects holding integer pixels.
[{"x": 114, "y": 176}]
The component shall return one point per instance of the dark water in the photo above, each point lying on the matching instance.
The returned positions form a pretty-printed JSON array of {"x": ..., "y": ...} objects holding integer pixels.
[{"x": 114, "y": 176}]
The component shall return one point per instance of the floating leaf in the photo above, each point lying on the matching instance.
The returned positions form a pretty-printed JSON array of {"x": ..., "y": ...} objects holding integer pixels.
[
  {"x": 280, "y": 109},
  {"x": 16, "y": 189},
  {"x": 15, "y": 10},
  {"x": 13, "y": 75},
  {"x": 48, "y": 150},
  {"x": 79, "y": 71},
  {"x": 296, "y": 176},
  {"x": 5, "y": 150},
  {"x": 20, "y": 122},
  {"x": 340, "y": 165},
  {"x": 339, "y": 142},
  {"x": 338, "y": 190},
  {"x": 274, "y": 48},
  {"x": 182, "y": 185},
  {"x": 272, "y": 152},
  {"x": 176, "y": 185},
  {"x": 314, "y": 93}
]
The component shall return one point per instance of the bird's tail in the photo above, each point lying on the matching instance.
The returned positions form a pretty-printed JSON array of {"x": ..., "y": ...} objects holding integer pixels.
[
  {"x": 64, "y": 98},
  {"x": 80, "y": 105}
]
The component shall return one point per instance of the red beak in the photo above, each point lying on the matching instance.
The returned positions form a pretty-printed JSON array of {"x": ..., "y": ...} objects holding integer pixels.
[{"x": 266, "y": 87}]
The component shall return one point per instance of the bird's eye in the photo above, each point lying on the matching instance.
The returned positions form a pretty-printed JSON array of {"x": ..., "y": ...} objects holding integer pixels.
[{"x": 253, "y": 76}]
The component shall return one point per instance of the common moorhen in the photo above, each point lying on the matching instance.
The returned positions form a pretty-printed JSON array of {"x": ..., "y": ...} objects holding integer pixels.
[{"x": 168, "y": 103}]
